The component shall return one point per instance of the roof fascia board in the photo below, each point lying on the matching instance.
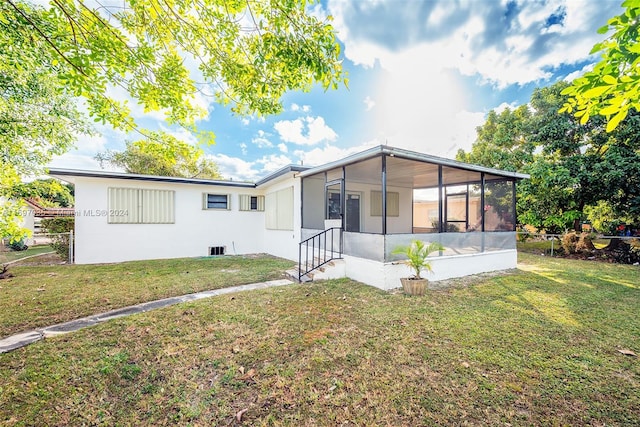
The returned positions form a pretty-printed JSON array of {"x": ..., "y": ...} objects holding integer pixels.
[
  {"x": 59, "y": 173},
  {"x": 280, "y": 172},
  {"x": 409, "y": 155},
  {"x": 412, "y": 155}
]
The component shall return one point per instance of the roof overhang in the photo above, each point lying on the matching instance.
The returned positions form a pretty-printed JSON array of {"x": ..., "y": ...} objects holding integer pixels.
[
  {"x": 69, "y": 174},
  {"x": 300, "y": 171},
  {"x": 409, "y": 155},
  {"x": 281, "y": 173}
]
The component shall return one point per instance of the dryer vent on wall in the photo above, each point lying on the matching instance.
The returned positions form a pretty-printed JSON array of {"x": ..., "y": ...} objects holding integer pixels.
[{"x": 216, "y": 250}]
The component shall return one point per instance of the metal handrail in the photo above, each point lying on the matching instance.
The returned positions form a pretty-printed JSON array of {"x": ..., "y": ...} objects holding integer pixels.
[{"x": 322, "y": 257}]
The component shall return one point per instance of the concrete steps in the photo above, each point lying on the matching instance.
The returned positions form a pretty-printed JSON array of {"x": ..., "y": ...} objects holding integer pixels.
[{"x": 333, "y": 269}]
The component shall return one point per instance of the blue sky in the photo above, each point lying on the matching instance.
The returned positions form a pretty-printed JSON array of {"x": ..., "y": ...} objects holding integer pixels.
[{"x": 423, "y": 75}]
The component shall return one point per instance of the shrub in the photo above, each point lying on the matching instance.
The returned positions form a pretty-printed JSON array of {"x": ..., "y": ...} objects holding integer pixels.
[
  {"x": 569, "y": 242},
  {"x": 523, "y": 234},
  {"x": 627, "y": 252},
  {"x": 585, "y": 243},
  {"x": 60, "y": 229},
  {"x": 18, "y": 245}
]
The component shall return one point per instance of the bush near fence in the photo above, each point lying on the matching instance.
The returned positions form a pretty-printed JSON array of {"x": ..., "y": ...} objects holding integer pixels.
[{"x": 60, "y": 229}]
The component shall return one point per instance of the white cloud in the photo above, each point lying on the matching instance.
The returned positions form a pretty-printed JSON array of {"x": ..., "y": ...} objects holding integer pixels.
[
  {"x": 205, "y": 103},
  {"x": 572, "y": 76},
  {"x": 242, "y": 170},
  {"x": 422, "y": 48},
  {"x": 243, "y": 147},
  {"x": 91, "y": 144},
  {"x": 329, "y": 153},
  {"x": 465, "y": 132},
  {"x": 305, "y": 131},
  {"x": 503, "y": 42},
  {"x": 74, "y": 160},
  {"x": 303, "y": 108},
  {"x": 283, "y": 147},
  {"x": 261, "y": 140},
  {"x": 234, "y": 168},
  {"x": 272, "y": 163},
  {"x": 428, "y": 116},
  {"x": 500, "y": 108},
  {"x": 247, "y": 120},
  {"x": 369, "y": 103}
]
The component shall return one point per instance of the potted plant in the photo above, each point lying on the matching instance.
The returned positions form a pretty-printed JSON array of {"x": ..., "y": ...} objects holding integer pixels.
[{"x": 417, "y": 253}]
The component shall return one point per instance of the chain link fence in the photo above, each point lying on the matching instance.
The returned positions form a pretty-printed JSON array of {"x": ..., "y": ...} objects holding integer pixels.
[
  {"x": 45, "y": 247},
  {"x": 603, "y": 246}
]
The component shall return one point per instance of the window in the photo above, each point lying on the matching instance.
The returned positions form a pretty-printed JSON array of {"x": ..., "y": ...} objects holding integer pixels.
[
  {"x": 279, "y": 210},
  {"x": 251, "y": 203},
  {"x": 216, "y": 250},
  {"x": 333, "y": 204},
  {"x": 216, "y": 201},
  {"x": 393, "y": 203},
  {"x": 140, "y": 206}
]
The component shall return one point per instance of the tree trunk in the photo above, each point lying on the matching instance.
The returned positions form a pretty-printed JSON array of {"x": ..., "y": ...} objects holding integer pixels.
[
  {"x": 577, "y": 225},
  {"x": 613, "y": 244}
]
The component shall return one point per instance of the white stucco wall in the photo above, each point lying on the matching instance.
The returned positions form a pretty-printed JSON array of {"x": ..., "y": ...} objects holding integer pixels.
[
  {"x": 283, "y": 243},
  {"x": 387, "y": 275},
  {"x": 194, "y": 231}
]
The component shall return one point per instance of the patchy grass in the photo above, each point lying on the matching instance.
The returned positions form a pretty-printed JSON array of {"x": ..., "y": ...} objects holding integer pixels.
[
  {"x": 45, "y": 295},
  {"x": 11, "y": 255},
  {"x": 538, "y": 247},
  {"x": 535, "y": 347}
]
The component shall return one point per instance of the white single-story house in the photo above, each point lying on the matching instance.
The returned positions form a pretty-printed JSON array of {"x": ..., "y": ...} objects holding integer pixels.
[{"x": 358, "y": 209}]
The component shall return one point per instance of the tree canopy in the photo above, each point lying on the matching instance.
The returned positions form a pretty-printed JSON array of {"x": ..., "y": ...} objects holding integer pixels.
[
  {"x": 38, "y": 116},
  {"x": 501, "y": 142},
  {"x": 574, "y": 167},
  {"x": 47, "y": 192},
  {"x": 247, "y": 53},
  {"x": 163, "y": 155},
  {"x": 611, "y": 89},
  {"x": 167, "y": 56}
]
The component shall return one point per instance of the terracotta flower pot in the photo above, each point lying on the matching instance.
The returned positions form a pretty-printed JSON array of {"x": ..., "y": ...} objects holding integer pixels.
[{"x": 413, "y": 286}]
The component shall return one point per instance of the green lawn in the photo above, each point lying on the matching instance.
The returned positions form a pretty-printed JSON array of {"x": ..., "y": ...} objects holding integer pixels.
[
  {"x": 9, "y": 255},
  {"x": 45, "y": 295},
  {"x": 535, "y": 347}
]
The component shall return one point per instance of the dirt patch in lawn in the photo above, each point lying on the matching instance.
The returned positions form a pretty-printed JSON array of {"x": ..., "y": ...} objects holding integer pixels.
[
  {"x": 461, "y": 282},
  {"x": 44, "y": 259}
]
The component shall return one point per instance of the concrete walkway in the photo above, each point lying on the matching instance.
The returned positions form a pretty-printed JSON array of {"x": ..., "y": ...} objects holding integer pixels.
[{"x": 20, "y": 340}]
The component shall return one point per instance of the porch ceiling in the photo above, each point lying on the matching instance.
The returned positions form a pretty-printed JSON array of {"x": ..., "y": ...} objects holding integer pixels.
[
  {"x": 463, "y": 170},
  {"x": 409, "y": 173}
]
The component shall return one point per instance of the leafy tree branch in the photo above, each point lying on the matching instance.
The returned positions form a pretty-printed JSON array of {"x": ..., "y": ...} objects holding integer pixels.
[{"x": 612, "y": 88}]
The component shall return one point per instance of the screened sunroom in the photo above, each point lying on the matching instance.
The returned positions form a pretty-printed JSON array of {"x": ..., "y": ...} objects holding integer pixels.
[{"x": 385, "y": 197}]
